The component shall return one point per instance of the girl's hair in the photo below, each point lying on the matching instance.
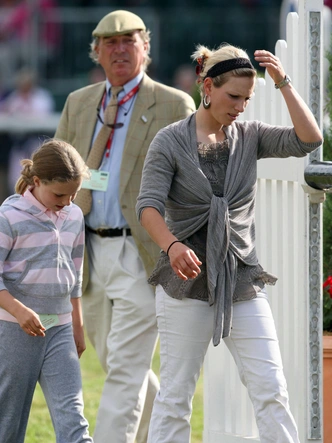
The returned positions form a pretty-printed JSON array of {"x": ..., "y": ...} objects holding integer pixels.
[
  {"x": 54, "y": 161},
  {"x": 206, "y": 58},
  {"x": 144, "y": 35}
]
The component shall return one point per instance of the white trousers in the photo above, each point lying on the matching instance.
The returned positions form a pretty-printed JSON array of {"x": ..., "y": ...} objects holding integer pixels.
[
  {"x": 120, "y": 319},
  {"x": 185, "y": 329}
]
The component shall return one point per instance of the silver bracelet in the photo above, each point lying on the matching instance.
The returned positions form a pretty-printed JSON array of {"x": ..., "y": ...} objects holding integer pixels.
[{"x": 283, "y": 82}]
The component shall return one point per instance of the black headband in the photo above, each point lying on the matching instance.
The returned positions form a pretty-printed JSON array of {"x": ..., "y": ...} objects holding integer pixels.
[{"x": 229, "y": 65}]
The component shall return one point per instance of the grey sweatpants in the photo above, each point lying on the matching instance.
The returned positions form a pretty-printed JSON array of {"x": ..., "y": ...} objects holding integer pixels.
[{"x": 53, "y": 362}]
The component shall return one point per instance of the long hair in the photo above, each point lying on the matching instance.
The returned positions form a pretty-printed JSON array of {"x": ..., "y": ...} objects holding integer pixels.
[{"x": 54, "y": 161}]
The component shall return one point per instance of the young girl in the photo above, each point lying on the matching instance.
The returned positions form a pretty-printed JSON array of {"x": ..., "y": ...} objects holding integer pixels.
[{"x": 41, "y": 327}]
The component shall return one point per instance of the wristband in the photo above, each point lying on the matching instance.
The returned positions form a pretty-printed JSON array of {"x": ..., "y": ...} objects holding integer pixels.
[
  {"x": 283, "y": 82},
  {"x": 169, "y": 247}
]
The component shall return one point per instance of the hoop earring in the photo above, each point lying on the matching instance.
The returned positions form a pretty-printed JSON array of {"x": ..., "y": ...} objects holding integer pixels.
[{"x": 206, "y": 104}]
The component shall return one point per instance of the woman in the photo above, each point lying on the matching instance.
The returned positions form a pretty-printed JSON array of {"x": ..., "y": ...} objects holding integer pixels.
[{"x": 197, "y": 202}]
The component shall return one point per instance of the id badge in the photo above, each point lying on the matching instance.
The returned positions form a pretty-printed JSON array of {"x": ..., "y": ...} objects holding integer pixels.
[
  {"x": 49, "y": 320},
  {"x": 97, "y": 182}
]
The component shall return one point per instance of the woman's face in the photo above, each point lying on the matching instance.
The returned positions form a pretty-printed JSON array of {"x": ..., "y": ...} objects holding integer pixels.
[{"x": 231, "y": 99}]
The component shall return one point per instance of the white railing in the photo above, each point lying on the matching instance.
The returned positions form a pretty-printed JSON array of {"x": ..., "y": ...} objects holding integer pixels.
[{"x": 16, "y": 124}]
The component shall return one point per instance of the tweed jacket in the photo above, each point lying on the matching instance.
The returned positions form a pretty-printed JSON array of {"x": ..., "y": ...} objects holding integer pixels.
[{"x": 156, "y": 106}]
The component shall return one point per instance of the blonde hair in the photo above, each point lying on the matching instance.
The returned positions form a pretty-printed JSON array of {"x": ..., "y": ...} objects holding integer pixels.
[
  {"x": 144, "y": 35},
  {"x": 207, "y": 58},
  {"x": 54, "y": 161}
]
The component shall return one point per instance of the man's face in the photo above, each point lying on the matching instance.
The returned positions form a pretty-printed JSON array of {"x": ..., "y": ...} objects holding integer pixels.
[{"x": 121, "y": 56}]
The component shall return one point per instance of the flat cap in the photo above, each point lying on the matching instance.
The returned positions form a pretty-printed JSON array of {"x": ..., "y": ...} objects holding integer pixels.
[{"x": 117, "y": 23}]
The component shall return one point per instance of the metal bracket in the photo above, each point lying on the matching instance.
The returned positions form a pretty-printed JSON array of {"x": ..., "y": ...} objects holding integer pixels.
[{"x": 315, "y": 195}]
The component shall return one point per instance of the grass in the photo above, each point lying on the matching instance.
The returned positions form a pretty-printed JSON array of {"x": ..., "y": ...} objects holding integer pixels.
[{"x": 40, "y": 429}]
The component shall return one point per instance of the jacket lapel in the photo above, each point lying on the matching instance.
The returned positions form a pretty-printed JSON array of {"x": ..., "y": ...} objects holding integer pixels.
[
  {"x": 140, "y": 123},
  {"x": 88, "y": 117}
]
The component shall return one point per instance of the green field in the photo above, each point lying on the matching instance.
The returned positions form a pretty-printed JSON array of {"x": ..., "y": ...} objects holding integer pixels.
[{"x": 40, "y": 428}]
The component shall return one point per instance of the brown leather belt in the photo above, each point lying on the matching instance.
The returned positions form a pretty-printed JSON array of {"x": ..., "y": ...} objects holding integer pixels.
[{"x": 109, "y": 232}]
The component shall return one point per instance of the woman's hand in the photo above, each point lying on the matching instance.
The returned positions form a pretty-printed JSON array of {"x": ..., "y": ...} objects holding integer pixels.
[
  {"x": 272, "y": 64},
  {"x": 304, "y": 122},
  {"x": 184, "y": 261}
]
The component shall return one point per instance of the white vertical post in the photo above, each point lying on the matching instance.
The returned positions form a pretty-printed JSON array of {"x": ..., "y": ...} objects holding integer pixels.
[{"x": 313, "y": 31}]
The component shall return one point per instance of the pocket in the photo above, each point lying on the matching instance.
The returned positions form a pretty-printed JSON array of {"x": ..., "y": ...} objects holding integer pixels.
[
  {"x": 47, "y": 278},
  {"x": 130, "y": 260}
]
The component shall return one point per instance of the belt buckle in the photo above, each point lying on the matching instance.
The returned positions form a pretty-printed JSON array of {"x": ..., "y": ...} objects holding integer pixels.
[{"x": 101, "y": 232}]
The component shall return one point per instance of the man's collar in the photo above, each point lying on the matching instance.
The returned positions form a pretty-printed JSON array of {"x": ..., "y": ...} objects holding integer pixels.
[{"x": 129, "y": 85}]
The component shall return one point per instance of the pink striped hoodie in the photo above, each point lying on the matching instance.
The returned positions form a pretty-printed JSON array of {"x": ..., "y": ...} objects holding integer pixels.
[{"x": 41, "y": 259}]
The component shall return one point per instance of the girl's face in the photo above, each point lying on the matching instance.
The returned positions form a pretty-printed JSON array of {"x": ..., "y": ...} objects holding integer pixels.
[
  {"x": 55, "y": 195},
  {"x": 231, "y": 99}
]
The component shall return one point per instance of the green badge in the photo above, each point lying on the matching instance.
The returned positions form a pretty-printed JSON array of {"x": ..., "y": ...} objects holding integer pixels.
[
  {"x": 97, "y": 182},
  {"x": 49, "y": 320}
]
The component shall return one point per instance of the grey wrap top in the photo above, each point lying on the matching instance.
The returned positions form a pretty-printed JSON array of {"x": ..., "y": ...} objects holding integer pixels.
[{"x": 174, "y": 183}]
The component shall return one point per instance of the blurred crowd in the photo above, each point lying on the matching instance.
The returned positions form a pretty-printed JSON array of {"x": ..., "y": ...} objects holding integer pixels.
[
  {"x": 26, "y": 98},
  {"x": 23, "y": 93},
  {"x": 22, "y": 19}
]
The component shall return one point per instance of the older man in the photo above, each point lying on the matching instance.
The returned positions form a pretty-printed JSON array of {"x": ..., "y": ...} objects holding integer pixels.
[{"x": 112, "y": 124}]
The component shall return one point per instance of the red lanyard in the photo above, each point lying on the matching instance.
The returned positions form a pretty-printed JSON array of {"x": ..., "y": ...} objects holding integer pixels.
[{"x": 121, "y": 102}]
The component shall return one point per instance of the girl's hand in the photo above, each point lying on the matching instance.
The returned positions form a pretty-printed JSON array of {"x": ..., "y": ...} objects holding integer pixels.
[
  {"x": 79, "y": 339},
  {"x": 29, "y": 321},
  {"x": 272, "y": 64},
  {"x": 184, "y": 261}
]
